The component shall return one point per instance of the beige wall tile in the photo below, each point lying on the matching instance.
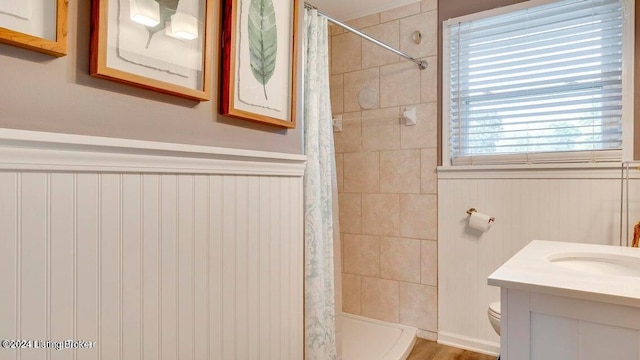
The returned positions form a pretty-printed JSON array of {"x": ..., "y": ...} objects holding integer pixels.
[
  {"x": 337, "y": 93},
  {"x": 381, "y": 299},
  {"x": 337, "y": 271},
  {"x": 428, "y": 171},
  {"x": 425, "y": 133},
  {"x": 346, "y": 53},
  {"x": 429, "y": 80},
  {"x": 329, "y": 44},
  {"x": 400, "y": 171},
  {"x": 427, "y": 24},
  {"x": 355, "y": 81},
  {"x": 335, "y": 30},
  {"x": 340, "y": 172},
  {"x": 418, "y": 216},
  {"x": 341, "y": 236},
  {"x": 428, "y": 5},
  {"x": 429, "y": 262},
  {"x": 361, "y": 254},
  {"x": 350, "y": 138},
  {"x": 399, "y": 84},
  {"x": 362, "y": 172},
  {"x": 380, "y": 134},
  {"x": 380, "y": 129},
  {"x": 400, "y": 259},
  {"x": 419, "y": 306},
  {"x": 365, "y": 21},
  {"x": 386, "y": 170},
  {"x": 375, "y": 55},
  {"x": 351, "y": 293},
  {"x": 350, "y": 209},
  {"x": 381, "y": 214},
  {"x": 400, "y": 12}
]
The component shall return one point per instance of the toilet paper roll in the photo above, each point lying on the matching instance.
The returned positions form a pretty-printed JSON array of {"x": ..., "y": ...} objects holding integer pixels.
[{"x": 479, "y": 221}]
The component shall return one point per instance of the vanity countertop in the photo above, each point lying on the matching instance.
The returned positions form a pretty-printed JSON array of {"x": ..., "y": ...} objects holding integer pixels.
[{"x": 531, "y": 270}]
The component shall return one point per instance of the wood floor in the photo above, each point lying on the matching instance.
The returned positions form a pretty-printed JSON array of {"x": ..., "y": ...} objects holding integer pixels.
[{"x": 430, "y": 350}]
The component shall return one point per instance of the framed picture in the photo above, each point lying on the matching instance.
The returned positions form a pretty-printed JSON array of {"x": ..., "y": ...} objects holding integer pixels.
[
  {"x": 35, "y": 25},
  {"x": 162, "y": 45},
  {"x": 259, "y": 60}
]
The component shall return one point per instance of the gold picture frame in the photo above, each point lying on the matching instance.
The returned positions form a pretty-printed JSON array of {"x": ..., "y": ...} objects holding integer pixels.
[
  {"x": 259, "y": 61},
  {"x": 154, "y": 53},
  {"x": 11, "y": 34}
]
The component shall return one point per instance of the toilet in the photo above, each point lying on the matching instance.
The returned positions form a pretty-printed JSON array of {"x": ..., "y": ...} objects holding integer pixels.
[{"x": 494, "y": 315}]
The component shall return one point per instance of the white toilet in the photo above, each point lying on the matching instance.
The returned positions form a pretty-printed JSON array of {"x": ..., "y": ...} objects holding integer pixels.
[{"x": 494, "y": 315}]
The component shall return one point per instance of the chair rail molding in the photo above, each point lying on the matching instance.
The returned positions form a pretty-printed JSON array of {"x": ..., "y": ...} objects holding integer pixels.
[{"x": 32, "y": 150}]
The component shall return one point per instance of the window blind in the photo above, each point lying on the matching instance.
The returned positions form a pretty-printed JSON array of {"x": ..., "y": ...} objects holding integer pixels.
[{"x": 542, "y": 84}]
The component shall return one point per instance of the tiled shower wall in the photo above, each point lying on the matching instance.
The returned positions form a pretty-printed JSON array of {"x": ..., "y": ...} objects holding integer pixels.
[{"x": 386, "y": 170}]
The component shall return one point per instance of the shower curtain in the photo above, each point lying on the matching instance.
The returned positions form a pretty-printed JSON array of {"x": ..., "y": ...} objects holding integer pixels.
[{"x": 320, "y": 200}]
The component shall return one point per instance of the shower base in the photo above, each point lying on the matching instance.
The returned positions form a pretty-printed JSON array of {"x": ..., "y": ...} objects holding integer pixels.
[{"x": 368, "y": 339}]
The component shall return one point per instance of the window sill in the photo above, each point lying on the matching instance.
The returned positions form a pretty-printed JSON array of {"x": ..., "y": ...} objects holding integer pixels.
[{"x": 609, "y": 170}]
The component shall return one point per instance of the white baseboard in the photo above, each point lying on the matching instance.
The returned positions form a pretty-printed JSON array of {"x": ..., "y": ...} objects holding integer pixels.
[{"x": 467, "y": 343}]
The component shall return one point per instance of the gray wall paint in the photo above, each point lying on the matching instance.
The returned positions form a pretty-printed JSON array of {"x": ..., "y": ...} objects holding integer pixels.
[{"x": 42, "y": 93}]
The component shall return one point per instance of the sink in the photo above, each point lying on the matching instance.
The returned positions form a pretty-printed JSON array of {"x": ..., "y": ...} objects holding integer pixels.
[
  {"x": 598, "y": 263},
  {"x": 570, "y": 301}
]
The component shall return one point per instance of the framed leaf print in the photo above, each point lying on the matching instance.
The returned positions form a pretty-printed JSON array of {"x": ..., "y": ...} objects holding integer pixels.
[
  {"x": 162, "y": 45},
  {"x": 35, "y": 25},
  {"x": 259, "y": 53}
]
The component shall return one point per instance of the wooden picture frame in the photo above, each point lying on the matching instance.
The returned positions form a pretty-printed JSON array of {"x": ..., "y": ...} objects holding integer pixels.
[
  {"x": 20, "y": 28},
  {"x": 258, "y": 80},
  {"x": 154, "y": 51}
]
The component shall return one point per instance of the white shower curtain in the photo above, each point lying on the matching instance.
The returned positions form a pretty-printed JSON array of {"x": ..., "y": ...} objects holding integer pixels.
[{"x": 319, "y": 198}]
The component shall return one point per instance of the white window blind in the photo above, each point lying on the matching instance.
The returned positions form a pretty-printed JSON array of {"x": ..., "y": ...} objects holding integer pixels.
[{"x": 542, "y": 84}]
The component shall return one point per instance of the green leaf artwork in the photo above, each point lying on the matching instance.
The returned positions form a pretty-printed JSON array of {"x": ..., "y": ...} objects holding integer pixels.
[
  {"x": 167, "y": 9},
  {"x": 263, "y": 41}
]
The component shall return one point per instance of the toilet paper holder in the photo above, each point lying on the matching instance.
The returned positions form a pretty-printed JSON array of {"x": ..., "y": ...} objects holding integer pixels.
[{"x": 472, "y": 210}]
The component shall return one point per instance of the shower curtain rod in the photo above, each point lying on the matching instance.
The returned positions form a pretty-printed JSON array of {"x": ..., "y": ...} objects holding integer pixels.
[{"x": 421, "y": 63}]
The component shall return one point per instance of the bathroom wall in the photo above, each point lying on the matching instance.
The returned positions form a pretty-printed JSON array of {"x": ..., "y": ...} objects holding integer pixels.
[
  {"x": 386, "y": 170},
  {"x": 563, "y": 204},
  {"x": 43, "y": 93}
]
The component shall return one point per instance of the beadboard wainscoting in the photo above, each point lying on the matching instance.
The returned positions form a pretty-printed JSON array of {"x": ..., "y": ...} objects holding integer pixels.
[
  {"x": 150, "y": 250},
  {"x": 576, "y": 204}
]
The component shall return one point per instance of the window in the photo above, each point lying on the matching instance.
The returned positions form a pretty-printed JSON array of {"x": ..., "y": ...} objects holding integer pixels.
[{"x": 536, "y": 84}]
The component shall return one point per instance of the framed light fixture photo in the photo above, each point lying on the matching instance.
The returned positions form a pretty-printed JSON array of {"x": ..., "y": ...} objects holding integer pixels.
[
  {"x": 259, "y": 60},
  {"x": 162, "y": 45},
  {"x": 35, "y": 25}
]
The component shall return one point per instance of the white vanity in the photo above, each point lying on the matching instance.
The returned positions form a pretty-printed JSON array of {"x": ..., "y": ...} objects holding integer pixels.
[{"x": 569, "y": 301}]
